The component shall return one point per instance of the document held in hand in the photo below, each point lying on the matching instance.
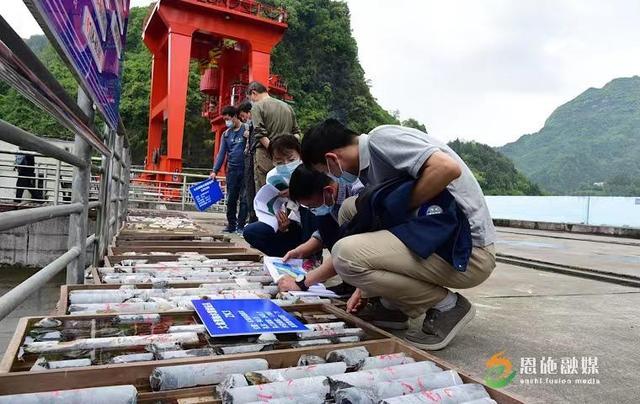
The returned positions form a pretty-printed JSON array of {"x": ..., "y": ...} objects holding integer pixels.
[{"x": 267, "y": 203}]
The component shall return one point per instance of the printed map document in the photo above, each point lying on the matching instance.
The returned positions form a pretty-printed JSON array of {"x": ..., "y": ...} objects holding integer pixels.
[{"x": 293, "y": 267}]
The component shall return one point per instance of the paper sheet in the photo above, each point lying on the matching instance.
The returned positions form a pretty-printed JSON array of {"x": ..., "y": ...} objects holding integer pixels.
[
  {"x": 267, "y": 203},
  {"x": 277, "y": 268}
]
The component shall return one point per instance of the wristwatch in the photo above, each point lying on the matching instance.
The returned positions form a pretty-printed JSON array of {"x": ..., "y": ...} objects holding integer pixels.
[{"x": 300, "y": 282}]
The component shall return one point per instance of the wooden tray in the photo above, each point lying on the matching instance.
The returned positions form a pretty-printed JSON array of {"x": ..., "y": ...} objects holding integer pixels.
[
  {"x": 62, "y": 307},
  {"x": 138, "y": 374},
  {"x": 155, "y": 235},
  {"x": 242, "y": 254},
  {"x": 204, "y": 250},
  {"x": 11, "y": 366},
  {"x": 134, "y": 244}
]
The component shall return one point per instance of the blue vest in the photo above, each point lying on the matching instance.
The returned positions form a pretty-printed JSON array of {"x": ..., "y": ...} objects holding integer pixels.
[{"x": 440, "y": 226}]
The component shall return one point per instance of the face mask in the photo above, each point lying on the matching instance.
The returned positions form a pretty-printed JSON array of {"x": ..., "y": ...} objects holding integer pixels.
[
  {"x": 287, "y": 169},
  {"x": 229, "y": 123},
  {"x": 324, "y": 209},
  {"x": 345, "y": 178}
]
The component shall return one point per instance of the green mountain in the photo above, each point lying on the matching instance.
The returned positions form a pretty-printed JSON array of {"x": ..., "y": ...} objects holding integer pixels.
[
  {"x": 495, "y": 172},
  {"x": 589, "y": 145}
]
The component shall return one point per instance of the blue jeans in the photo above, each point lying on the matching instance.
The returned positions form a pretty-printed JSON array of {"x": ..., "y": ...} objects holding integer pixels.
[
  {"x": 271, "y": 243},
  {"x": 235, "y": 194}
]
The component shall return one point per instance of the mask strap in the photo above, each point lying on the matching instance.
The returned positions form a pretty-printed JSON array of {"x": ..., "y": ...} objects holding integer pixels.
[{"x": 329, "y": 168}]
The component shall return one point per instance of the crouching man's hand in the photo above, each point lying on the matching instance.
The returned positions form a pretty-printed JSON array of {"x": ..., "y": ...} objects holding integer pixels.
[
  {"x": 356, "y": 302},
  {"x": 287, "y": 283}
]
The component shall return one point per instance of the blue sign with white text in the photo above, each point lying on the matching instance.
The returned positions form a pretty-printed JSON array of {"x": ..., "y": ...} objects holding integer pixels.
[
  {"x": 228, "y": 317},
  {"x": 205, "y": 194}
]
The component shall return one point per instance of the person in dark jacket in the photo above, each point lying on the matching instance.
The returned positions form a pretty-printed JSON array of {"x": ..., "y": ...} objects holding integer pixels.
[
  {"x": 384, "y": 264},
  {"x": 323, "y": 197},
  {"x": 26, "y": 181},
  {"x": 234, "y": 140},
  {"x": 244, "y": 113}
]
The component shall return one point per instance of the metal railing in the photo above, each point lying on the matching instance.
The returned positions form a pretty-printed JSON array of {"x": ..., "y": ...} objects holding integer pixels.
[
  {"x": 173, "y": 194},
  {"x": 104, "y": 191},
  {"x": 49, "y": 183},
  {"x": 252, "y": 7}
]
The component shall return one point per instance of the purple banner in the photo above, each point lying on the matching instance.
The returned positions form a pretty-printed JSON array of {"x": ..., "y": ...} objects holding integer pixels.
[{"x": 92, "y": 34}]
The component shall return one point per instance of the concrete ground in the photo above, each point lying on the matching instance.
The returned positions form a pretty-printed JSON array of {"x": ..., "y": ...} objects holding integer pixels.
[
  {"x": 607, "y": 254},
  {"x": 529, "y": 313}
]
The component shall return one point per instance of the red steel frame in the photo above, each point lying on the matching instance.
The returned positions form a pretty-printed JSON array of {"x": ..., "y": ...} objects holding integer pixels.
[{"x": 177, "y": 31}]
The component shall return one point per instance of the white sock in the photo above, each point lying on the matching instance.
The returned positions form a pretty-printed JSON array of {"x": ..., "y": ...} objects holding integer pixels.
[{"x": 448, "y": 303}]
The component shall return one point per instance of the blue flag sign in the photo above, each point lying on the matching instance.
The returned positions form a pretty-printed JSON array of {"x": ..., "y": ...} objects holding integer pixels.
[
  {"x": 205, "y": 194},
  {"x": 228, "y": 317}
]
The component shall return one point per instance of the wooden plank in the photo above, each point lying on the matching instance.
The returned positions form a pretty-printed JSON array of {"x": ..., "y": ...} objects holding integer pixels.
[
  {"x": 158, "y": 235},
  {"x": 204, "y": 250},
  {"x": 173, "y": 243},
  {"x": 242, "y": 255},
  {"x": 96, "y": 275},
  {"x": 11, "y": 353}
]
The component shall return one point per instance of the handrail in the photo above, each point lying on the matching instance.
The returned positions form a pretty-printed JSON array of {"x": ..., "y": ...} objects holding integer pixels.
[
  {"x": 13, "y": 298},
  {"x": 22, "y": 138},
  {"x": 17, "y": 218},
  {"x": 21, "y": 69}
]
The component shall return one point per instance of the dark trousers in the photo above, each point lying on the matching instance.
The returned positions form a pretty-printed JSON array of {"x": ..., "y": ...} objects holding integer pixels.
[
  {"x": 249, "y": 186},
  {"x": 274, "y": 244},
  {"x": 23, "y": 184},
  {"x": 235, "y": 194}
]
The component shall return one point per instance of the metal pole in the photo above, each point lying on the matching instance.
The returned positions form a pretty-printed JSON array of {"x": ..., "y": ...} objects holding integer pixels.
[
  {"x": 127, "y": 158},
  {"x": 184, "y": 189},
  {"x": 118, "y": 185},
  {"x": 80, "y": 193},
  {"x": 105, "y": 198},
  {"x": 124, "y": 194},
  {"x": 12, "y": 299},
  {"x": 57, "y": 186}
]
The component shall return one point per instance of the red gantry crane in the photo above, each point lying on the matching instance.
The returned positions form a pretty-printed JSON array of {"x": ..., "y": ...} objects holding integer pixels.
[{"x": 232, "y": 40}]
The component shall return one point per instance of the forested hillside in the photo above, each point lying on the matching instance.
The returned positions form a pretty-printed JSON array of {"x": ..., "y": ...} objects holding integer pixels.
[
  {"x": 589, "y": 145},
  {"x": 318, "y": 57}
]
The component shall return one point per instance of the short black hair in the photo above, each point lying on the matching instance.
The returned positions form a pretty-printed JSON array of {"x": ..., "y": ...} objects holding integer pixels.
[
  {"x": 245, "y": 106},
  {"x": 282, "y": 143},
  {"x": 306, "y": 182},
  {"x": 230, "y": 110},
  {"x": 324, "y": 137},
  {"x": 257, "y": 87}
]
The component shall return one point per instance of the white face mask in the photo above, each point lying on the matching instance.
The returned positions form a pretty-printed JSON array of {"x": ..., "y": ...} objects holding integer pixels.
[
  {"x": 288, "y": 169},
  {"x": 345, "y": 177},
  {"x": 228, "y": 123},
  {"x": 323, "y": 209}
]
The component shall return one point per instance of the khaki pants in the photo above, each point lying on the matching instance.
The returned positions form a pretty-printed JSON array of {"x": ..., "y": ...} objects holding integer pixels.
[
  {"x": 381, "y": 265},
  {"x": 262, "y": 164}
]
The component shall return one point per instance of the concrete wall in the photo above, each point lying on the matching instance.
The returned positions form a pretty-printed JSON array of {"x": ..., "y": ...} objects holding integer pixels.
[
  {"x": 37, "y": 244},
  {"x": 588, "y": 210}
]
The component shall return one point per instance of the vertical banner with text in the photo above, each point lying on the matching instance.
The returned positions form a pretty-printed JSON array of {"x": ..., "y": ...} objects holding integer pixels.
[{"x": 91, "y": 34}]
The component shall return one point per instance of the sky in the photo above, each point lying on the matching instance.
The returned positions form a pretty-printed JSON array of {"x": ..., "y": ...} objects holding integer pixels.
[{"x": 484, "y": 70}]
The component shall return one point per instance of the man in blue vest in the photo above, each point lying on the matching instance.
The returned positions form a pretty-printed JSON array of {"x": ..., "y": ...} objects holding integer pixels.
[
  {"x": 234, "y": 141},
  {"x": 384, "y": 264}
]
